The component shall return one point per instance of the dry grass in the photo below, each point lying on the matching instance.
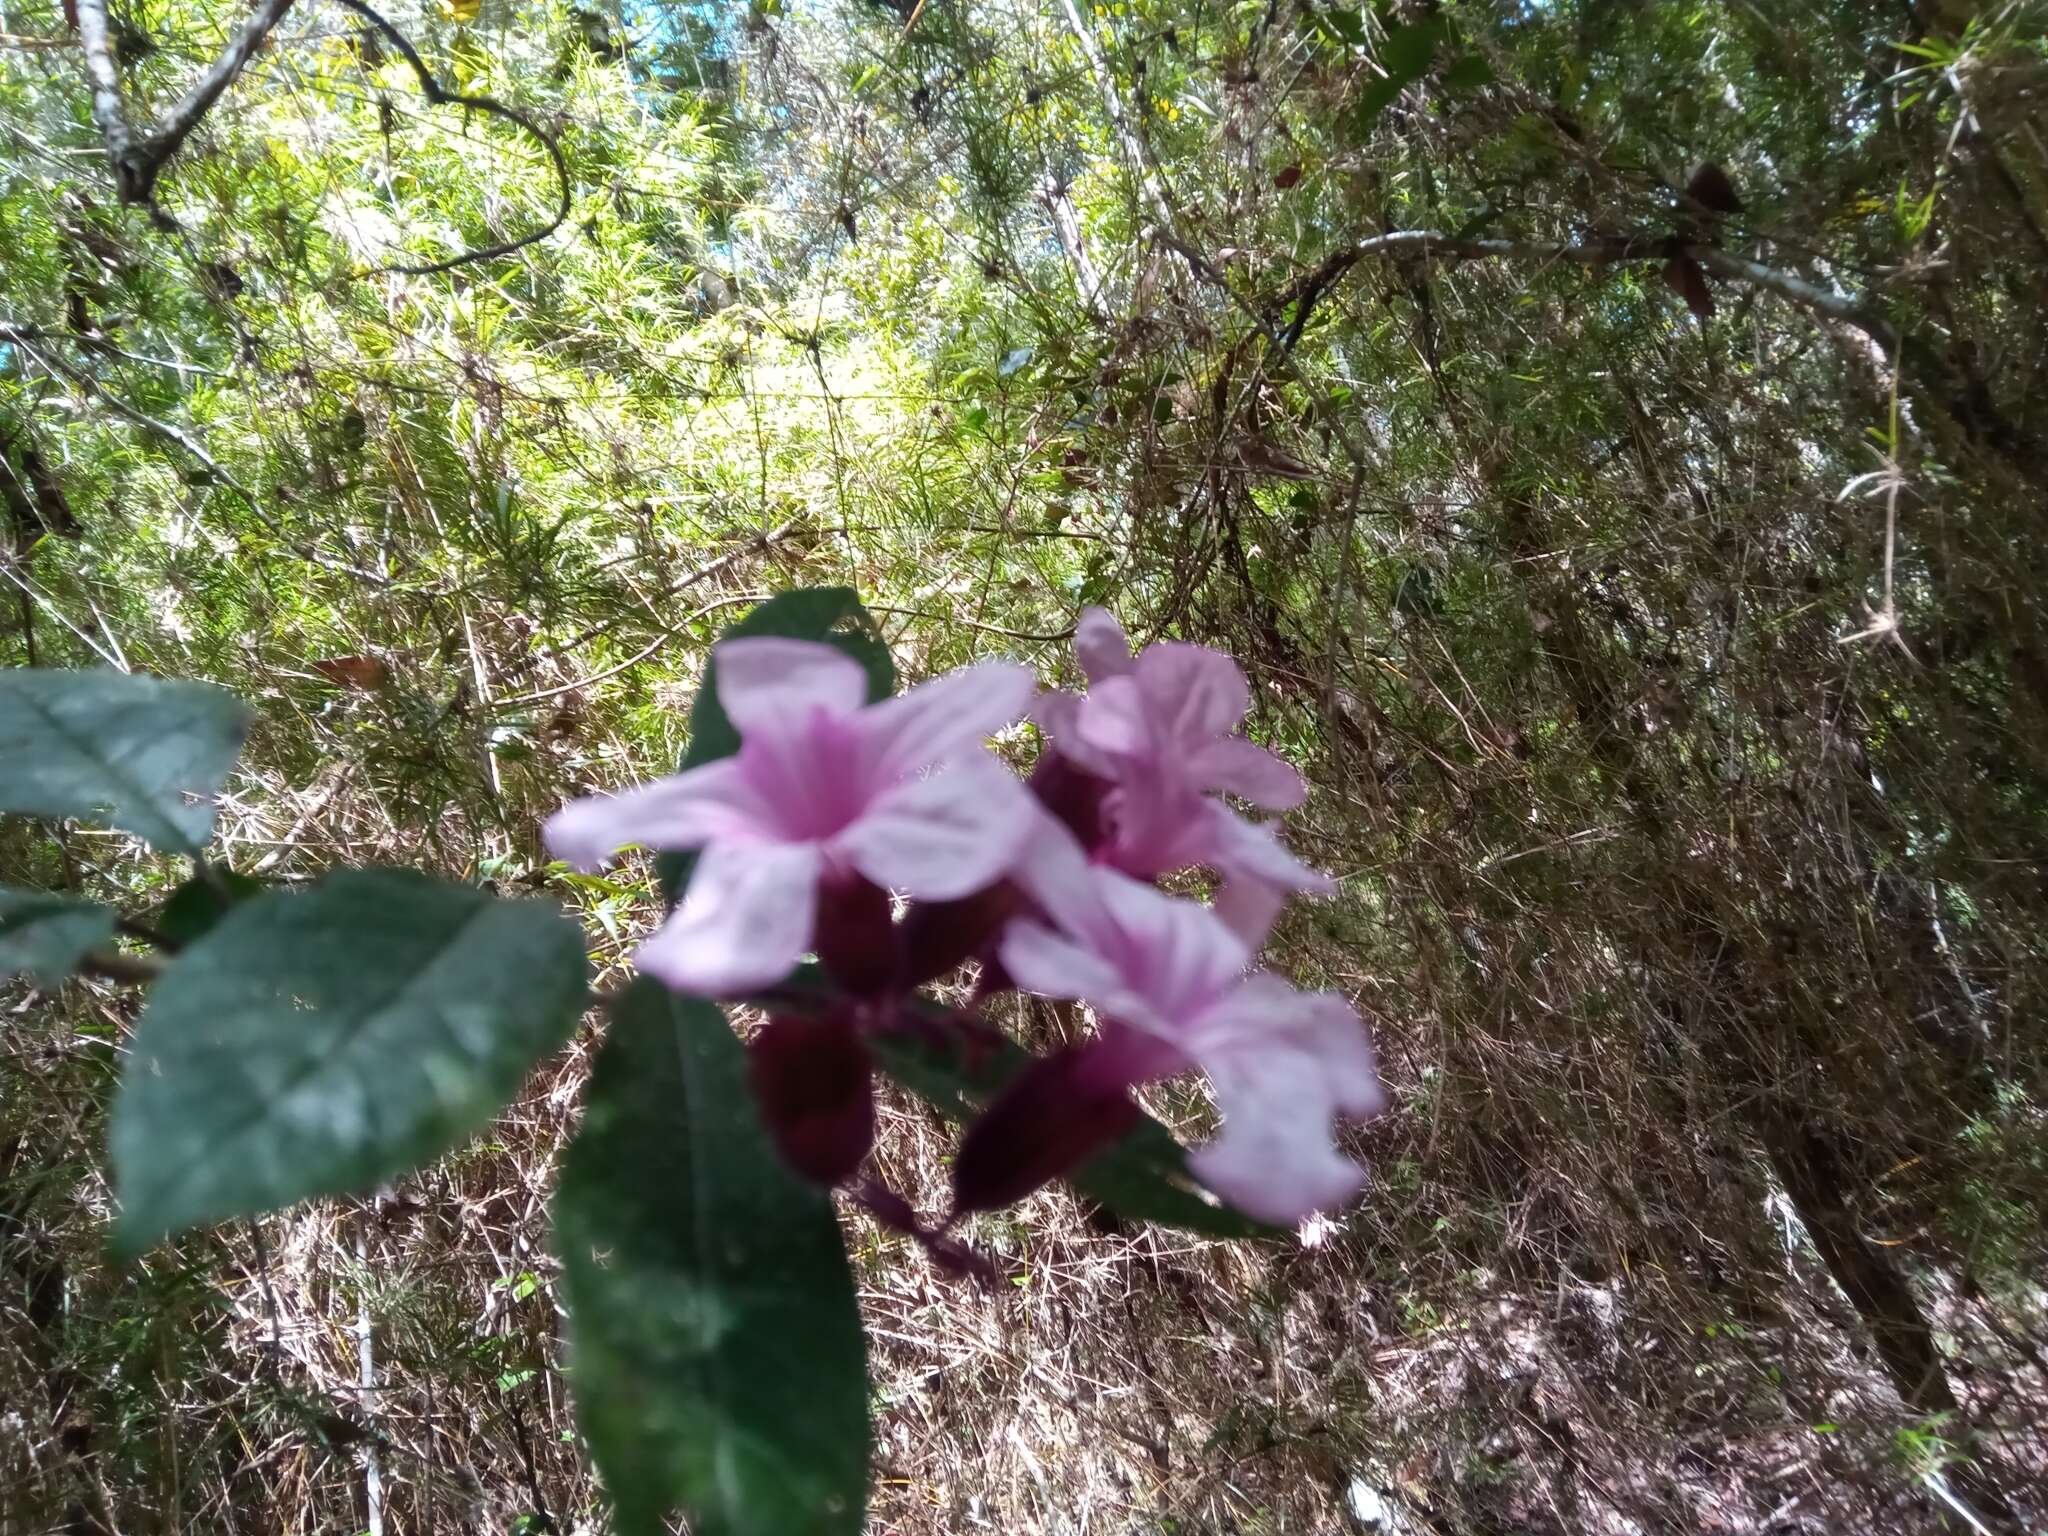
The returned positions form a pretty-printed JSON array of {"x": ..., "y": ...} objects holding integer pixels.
[
  {"x": 1118, "y": 1380},
  {"x": 1576, "y": 1299}
]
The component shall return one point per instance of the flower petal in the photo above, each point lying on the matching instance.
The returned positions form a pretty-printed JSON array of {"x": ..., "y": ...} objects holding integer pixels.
[
  {"x": 1058, "y": 716},
  {"x": 1100, "y": 645},
  {"x": 944, "y": 836},
  {"x": 1239, "y": 849},
  {"x": 1265, "y": 1014},
  {"x": 1052, "y": 869},
  {"x": 687, "y": 810},
  {"x": 774, "y": 686},
  {"x": 1249, "y": 908},
  {"x": 813, "y": 1082},
  {"x": 1112, "y": 718},
  {"x": 1194, "y": 692},
  {"x": 941, "y": 718},
  {"x": 1284, "y": 1064},
  {"x": 744, "y": 922},
  {"x": 1050, "y": 1118},
  {"x": 1177, "y": 953},
  {"x": 1053, "y": 965},
  {"x": 1244, "y": 768}
]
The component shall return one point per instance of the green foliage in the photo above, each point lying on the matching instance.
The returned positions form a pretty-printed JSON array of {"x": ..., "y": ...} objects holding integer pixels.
[
  {"x": 717, "y": 1346},
  {"x": 1403, "y": 56},
  {"x": 46, "y": 936},
  {"x": 192, "y": 910},
  {"x": 318, "y": 1043},
  {"x": 130, "y": 752}
]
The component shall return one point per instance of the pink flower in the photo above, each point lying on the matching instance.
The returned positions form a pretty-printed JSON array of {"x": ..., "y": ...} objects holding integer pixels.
[
  {"x": 1168, "y": 977},
  {"x": 825, "y": 788},
  {"x": 1160, "y": 731}
]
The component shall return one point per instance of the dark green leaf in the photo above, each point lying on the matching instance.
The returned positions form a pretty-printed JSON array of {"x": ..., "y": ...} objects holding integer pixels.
[
  {"x": 1469, "y": 73},
  {"x": 194, "y": 907},
  {"x": 1344, "y": 28},
  {"x": 320, "y": 1043},
  {"x": 712, "y": 1310},
  {"x": 1404, "y": 56},
  {"x": 831, "y": 614},
  {"x": 132, "y": 752},
  {"x": 1143, "y": 1176},
  {"x": 45, "y": 935}
]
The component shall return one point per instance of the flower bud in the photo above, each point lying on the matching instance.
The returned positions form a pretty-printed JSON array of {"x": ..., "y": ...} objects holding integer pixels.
[
  {"x": 811, "y": 1080},
  {"x": 1055, "y": 1114},
  {"x": 856, "y": 935},
  {"x": 940, "y": 935}
]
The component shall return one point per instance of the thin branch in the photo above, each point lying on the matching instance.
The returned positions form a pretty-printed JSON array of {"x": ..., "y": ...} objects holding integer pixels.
[
  {"x": 164, "y": 139},
  {"x": 30, "y": 595},
  {"x": 1158, "y": 201},
  {"x": 129, "y": 970},
  {"x": 366, "y": 1383},
  {"x": 992, "y": 629},
  {"x": 184, "y": 440},
  {"x": 139, "y": 161},
  {"x": 1822, "y": 301},
  {"x": 631, "y": 661},
  {"x": 109, "y": 111},
  {"x": 438, "y": 96},
  {"x": 756, "y": 545}
]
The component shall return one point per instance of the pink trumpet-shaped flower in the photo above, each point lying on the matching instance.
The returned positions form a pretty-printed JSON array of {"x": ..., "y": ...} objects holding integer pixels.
[
  {"x": 1168, "y": 977},
  {"x": 1160, "y": 731},
  {"x": 825, "y": 788}
]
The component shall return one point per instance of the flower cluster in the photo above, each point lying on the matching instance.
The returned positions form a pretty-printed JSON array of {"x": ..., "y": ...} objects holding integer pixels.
[{"x": 831, "y": 804}]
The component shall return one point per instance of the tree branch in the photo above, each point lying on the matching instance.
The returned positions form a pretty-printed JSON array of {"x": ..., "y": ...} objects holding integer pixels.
[
  {"x": 438, "y": 96},
  {"x": 109, "y": 112},
  {"x": 191, "y": 445},
  {"x": 138, "y": 162},
  {"x": 1959, "y": 394}
]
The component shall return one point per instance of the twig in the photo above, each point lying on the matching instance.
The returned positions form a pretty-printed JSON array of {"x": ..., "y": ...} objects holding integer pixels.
[
  {"x": 631, "y": 661},
  {"x": 274, "y": 1345},
  {"x": 184, "y": 440},
  {"x": 524, "y": 1443},
  {"x": 1956, "y": 396},
  {"x": 366, "y": 1380},
  {"x": 129, "y": 970},
  {"x": 439, "y": 96},
  {"x": 30, "y": 594},
  {"x": 137, "y": 161},
  {"x": 992, "y": 629},
  {"x": 755, "y": 545},
  {"x": 28, "y": 623}
]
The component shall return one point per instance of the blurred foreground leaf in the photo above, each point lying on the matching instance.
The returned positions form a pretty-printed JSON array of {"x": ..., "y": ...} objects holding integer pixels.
[
  {"x": 46, "y": 935},
  {"x": 319, "y": 1043},
  {"x": 714, "y": 1326},
  {"x": 126, "y": 751}
]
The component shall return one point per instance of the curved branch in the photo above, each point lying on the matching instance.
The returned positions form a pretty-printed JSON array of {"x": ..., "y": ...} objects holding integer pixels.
[
  {"x": 215, "y": 470},
  {"x": 138, "y": 161},
  {"x": 439, "y": 96}
]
